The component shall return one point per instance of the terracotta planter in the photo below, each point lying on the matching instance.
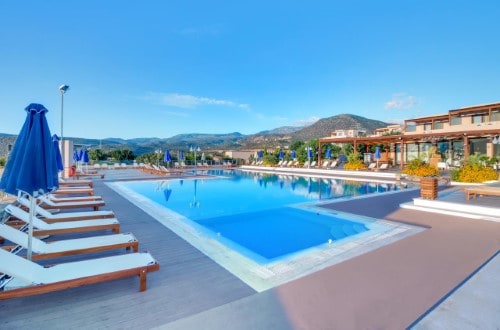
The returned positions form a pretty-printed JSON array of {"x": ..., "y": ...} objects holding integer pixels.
[{"x": 428, "y": 187}]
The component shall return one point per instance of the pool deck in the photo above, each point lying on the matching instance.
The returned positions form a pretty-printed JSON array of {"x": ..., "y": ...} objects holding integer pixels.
[{"x": 435, "y": 279}]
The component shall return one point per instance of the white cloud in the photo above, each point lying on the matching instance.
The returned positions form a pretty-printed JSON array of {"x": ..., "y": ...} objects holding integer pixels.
[
  {"x": 401, "y": 101},
  {"x": 395, "y": 121},
  {"x": 186, "y": 101},
  {"x": 306, "y": 122}
]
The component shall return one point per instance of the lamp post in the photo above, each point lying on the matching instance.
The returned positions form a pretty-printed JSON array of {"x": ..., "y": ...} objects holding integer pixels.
[
  {"x": 194, "y": 149},
  {"x": 308, "y": 151},
  {"x": 63, "y": 88},
  {"x": 158, "y": 152}
]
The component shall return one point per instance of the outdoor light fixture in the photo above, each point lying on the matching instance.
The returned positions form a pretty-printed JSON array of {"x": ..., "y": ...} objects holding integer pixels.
[
  {"x": 63, "y": 88},
  {"x": 308, "y": 150},
  {"x": 194, "y": 149},
  {"x": 158, "y": 152}
]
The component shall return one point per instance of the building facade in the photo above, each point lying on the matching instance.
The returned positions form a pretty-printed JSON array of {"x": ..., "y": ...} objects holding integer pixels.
[{"x": 455, "y": 136}]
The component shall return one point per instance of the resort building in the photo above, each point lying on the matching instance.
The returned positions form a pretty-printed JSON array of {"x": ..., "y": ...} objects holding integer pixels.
[
  {"x": 455, "y": 136},
  {"x": 347, "y": 133}
]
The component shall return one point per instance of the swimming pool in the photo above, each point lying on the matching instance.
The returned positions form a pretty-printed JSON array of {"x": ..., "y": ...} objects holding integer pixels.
[{"x": 266, "y": 229}]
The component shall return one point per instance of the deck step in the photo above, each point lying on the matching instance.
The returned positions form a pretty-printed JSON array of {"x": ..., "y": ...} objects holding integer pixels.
[{"x": 462, "y": 210}]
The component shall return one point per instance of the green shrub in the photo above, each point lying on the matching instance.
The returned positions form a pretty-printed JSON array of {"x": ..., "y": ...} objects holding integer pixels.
[
  {"x": 354, "y": 162},
  {"x": 3, "y": 161}
]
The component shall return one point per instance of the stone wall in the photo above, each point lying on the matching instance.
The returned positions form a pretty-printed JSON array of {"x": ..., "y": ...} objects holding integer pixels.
[{"x": 6, "y": 145}]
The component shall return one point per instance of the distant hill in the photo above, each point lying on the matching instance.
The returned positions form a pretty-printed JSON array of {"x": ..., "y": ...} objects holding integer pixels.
[
  {"x": 271, "y": 138},
  {"x": 324, "y": 127}
]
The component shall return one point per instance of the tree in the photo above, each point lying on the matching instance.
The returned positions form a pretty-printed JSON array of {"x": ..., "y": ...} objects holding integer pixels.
[{"x": 96, "y": 154}]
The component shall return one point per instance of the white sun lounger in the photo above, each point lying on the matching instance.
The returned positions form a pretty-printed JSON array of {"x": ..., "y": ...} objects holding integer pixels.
[
  {"x": 66, "y": 216},
  {"x": 74, "y": 191},
  {"x": 73, "y": 199},
  {"x": 76, "y": 183},
  {"x": 29, "y": 278},
  {"x": 43, "y": 250},
  {"x": 49, "y": 204},
  {"x": 44, "y": 228}
]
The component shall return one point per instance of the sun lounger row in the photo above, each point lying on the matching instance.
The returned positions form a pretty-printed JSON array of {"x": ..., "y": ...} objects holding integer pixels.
[
  {"x": 160, "y": 170},
  {"x": 20, "y": 277}
]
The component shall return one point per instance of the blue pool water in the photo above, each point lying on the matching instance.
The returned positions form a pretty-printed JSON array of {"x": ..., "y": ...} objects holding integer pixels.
[
  {"x": 256, "y": 214},
  {"x": 277, "y": 232}
]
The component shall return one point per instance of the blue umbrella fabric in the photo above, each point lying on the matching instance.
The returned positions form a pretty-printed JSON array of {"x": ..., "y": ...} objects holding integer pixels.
[
  {"x": 310, "y": 153},
  {"x": 76, "y": 156},
  {"x": 32, "y": 166},
  {"x": 261, "y": 154},
  {"x": 281, "y": 155},
  {"x": 167, "y": 157},
  {"x": 85, "y": 155},
  {"x": 57, "y": 151},
  {"x": 167, "y": 192},
  {"x": 328, "y": 153},
  {"x": 377, "y": 154},
  {"x": 294, "y": 154}
]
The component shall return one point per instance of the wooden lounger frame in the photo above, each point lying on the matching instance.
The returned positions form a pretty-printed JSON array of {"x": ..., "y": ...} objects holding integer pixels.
[
  {"x": 115, "y": 227},
  {"x": 77, "y": 183},
  {"x": 74, "y": 191},
  {"x": 481, "y": 191},
  {"x": 84, "y": 175},
  {"x": 132, "y": 244},
  {"x": 87, "y": 216},
  {"x": 45, "y": 288},
  {"x": 94, "y": 205}
]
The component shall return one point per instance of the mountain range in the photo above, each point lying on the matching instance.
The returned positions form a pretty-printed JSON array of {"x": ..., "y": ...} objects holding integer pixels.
[{"x": 236, "y": 141}]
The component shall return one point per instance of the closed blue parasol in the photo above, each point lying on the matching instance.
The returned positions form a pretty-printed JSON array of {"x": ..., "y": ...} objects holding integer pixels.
[
  {"x": 260, "y": 154},
  {"x": 281, "y": 155},
  {"x": 85, "y": 155},
  {"x": 310, "y": 153},
  {"x": 57, "y": 151},
  {"x": 167, "y": 157},
  {"x": 294, "y": 154},
  {"x": 32, "y": 166},
  {"x": 328, "y": 153},
  {"x": 76, "y": 155},
  {"x": 377, "y": 154}
]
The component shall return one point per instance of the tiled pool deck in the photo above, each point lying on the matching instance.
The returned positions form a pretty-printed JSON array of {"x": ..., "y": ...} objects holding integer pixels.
[{"x": 388, "y": 288}]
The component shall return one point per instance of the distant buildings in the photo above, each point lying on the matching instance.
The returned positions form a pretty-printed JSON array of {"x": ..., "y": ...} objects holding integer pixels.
[{"x": 455, "y": 135}]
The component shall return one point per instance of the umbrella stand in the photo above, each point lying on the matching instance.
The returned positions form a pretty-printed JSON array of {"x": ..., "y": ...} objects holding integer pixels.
[
  {"x": 30, "y": 225},
  {"x": 32, "y": 214}
]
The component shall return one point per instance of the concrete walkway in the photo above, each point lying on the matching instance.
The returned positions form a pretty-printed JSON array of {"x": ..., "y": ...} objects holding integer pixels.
[{"x": 388, "y": 288}]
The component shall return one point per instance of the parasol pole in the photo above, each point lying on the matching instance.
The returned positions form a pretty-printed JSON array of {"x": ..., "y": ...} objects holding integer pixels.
[{"x": 30, "y": 225}]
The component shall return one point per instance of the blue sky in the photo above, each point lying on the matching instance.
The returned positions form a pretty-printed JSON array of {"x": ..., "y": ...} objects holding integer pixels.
[{"x": 160, "y": 68}]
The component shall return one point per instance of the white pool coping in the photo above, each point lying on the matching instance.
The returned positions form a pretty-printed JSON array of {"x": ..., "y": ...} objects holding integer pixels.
[{"x": 263, "y": 277}]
